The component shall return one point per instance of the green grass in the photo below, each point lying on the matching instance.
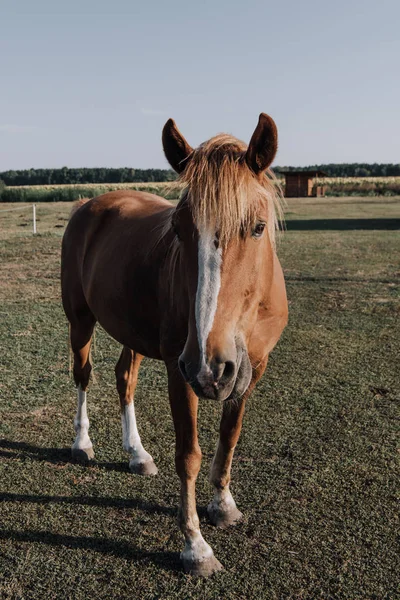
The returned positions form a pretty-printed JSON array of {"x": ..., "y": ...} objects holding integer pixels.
[
  {"x": 315, "y": 472},
  {"x": 69, "y": 193}
]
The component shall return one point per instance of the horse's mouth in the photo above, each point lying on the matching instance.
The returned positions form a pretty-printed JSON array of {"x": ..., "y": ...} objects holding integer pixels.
[
  {"x": 243, "y": 378},
  {"x": 236, "y": 388}
]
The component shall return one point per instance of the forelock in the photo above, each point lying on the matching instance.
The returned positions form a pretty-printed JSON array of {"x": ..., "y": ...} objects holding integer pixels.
[{"x": 224, "y": 193}]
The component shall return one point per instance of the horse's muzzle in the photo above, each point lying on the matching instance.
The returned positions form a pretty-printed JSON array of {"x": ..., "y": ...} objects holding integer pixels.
[{"x": 219, "y": 380}]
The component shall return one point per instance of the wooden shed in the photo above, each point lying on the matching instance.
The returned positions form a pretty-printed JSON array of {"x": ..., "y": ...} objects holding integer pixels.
[{"x": 299, "y": 184}]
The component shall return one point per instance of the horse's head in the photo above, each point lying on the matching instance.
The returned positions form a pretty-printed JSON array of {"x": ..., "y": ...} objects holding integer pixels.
[{"x": 225, "y": 223}]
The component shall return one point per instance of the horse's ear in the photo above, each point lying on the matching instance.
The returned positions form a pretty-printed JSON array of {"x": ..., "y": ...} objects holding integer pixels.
[
  {"x": 263, "y": 145},
  {"x": 176, "y": 148}
]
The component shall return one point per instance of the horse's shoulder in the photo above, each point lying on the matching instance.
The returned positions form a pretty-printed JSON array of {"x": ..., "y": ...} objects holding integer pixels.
[{"x": 272, "y": 316}]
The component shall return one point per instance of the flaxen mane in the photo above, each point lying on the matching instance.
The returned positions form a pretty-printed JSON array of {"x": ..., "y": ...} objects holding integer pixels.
[{"x": 224, "y": 192}]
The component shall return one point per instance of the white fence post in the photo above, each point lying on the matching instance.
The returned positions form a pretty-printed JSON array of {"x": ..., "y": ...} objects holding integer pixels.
[{"x": 34, "y": 219}]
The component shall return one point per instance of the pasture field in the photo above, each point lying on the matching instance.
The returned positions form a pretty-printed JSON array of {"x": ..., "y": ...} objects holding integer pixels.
[
  {"x": 360, "y": 186},
  {"x": 70, "y": 192},
  {"x": 316, "y": 470},
  {"x": 334, "y": 186}
]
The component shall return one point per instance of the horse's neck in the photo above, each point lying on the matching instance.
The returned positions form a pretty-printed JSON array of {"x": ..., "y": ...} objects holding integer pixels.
[{"x": 172, "y": 283}]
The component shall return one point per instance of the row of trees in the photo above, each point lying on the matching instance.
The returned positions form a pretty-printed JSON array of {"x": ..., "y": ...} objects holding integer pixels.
[
  {"x": 350, "y": 169},
  {"x": 127, "y": 175},
  {"x": 84, "y": 175}
]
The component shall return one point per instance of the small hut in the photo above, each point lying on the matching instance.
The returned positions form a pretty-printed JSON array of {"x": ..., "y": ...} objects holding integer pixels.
[{"x": 299, "y": 184}]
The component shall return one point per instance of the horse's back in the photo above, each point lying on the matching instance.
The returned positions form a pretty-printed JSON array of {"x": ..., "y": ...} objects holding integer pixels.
[
  {"x": 118, "y": 206},
  {"x": 110, "y": 222}
]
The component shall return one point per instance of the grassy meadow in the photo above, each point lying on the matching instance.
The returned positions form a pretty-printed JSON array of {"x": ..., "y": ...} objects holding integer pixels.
[
  {"x": 316, "y": 470},
  {"x": 360, "y": 186},
  {"x": 71, "y": 192}
]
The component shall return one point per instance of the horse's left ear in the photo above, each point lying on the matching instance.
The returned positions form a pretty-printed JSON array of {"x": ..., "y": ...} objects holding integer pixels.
[
  {"x": 176, "y": 148},
  {"x": 263, "y": 145}
]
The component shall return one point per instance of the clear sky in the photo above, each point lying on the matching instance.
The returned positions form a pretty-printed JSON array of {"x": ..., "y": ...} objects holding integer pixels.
[{"x": 91, "y": 83}]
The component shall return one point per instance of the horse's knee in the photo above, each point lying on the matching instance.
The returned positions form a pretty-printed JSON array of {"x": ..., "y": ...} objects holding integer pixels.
[
  {"x": 82, "y": 374},
  {"x": 122, "y": 379},
  {"x": 126, "y": 375},
  {"x": 188, "y": 462}
]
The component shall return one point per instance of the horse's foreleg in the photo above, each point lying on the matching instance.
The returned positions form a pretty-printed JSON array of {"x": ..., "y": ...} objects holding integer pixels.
[
  {"x": 82, "y": 449},
  {"x": 222, "y": 511},
  {"x": 126, "y": 372},
  {"x": 197, "y": 556}
]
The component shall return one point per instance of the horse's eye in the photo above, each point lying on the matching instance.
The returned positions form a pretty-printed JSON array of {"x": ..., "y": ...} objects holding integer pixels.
[{"x": 258, "y": 230}]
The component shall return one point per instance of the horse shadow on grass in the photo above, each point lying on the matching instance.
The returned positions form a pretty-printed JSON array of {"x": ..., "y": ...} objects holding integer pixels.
[
  {"x": 166, "y": 560},
  {"x": 63, "y": 457},
  {"x": 52, "y": 455},
  {"x": 11, "y": 449},
  {"x": 342, "y": 224}
]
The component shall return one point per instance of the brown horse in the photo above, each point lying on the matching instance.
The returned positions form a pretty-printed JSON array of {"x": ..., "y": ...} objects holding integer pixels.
[{"x": 198, "y": 286}]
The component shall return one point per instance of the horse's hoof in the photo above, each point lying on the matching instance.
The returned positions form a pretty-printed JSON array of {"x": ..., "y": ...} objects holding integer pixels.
[
  {"x": 223, "y": 518},
  {"x": 83, "y": 455},
  {"x": 202, "y": 568},
  {"x": 143, "y": 468}
]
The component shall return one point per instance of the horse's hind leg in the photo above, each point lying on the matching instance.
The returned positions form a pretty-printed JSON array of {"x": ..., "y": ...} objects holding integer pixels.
[
  {"x": 81, "y": 336},
  {"x": 126, "y": 373}
]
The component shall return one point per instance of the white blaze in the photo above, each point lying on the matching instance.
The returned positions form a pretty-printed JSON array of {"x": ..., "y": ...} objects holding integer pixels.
[{"x": 208, "y": 286}]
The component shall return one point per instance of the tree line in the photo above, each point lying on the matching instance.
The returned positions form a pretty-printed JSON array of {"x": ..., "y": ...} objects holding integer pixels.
[
  {"x": 349, "y": 169},
  {"x": 128, "y": 175},
  {"x": 84, "y": 175}
]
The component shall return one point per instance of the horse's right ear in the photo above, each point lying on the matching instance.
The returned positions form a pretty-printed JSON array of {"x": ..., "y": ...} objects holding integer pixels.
[{"x": 176, "y": 148}]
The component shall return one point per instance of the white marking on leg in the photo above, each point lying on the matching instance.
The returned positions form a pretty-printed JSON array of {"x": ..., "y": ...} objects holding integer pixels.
[
  {"x": 197, "y": 556},
  {"x": 223, "y": 501},
  {"x": 196, "y": 548},
  {"x": 131, "y": 439},
  {"x": 208, "y": 286},
  {"x": 81, "y": 424}
]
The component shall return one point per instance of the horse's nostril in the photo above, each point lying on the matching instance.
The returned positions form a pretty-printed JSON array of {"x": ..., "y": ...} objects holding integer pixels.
[
  {"x": 222, "y": 372},
  {"x": 229, "y": 369},
  {"x": 182, "y": 368}
]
